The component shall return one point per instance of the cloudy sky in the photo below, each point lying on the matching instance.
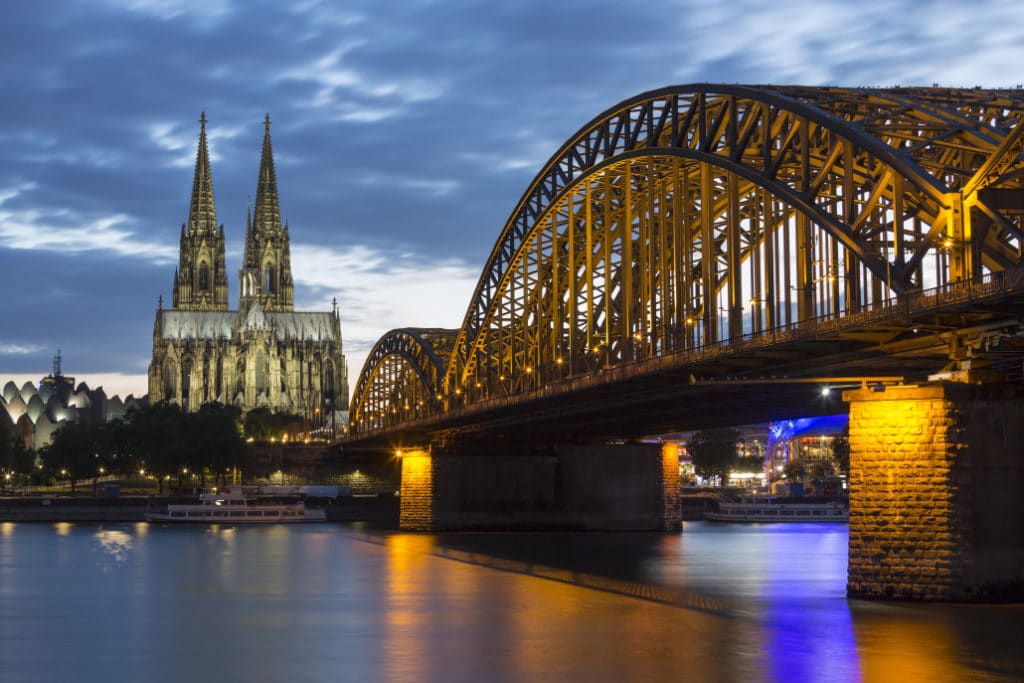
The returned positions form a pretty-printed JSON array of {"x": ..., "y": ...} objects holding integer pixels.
[{"x": 404, "y": 134}]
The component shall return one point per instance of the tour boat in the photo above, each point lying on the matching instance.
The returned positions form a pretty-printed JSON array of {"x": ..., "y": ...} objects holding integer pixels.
[
  {"x": 233, "y": 506},
  {"x": 771, "y": 509}
]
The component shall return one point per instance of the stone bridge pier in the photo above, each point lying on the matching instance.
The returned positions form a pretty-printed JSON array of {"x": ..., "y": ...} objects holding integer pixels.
[
  {"x": 584, "y": 487},
  {"x": 937, "y": 492}
]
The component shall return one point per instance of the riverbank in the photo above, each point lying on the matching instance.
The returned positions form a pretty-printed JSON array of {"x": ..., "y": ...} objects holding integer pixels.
[{"x": 133, "y": 508}]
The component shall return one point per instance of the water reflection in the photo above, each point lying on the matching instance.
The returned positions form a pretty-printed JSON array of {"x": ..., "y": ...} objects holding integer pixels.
[
  {"x": 113, "y": 544},
  {"x": 453, "y": 611},
  {"x": 346, "y": 603},
  {"x": 940, "y": 642},
  {"x": 773, "y": 598}
]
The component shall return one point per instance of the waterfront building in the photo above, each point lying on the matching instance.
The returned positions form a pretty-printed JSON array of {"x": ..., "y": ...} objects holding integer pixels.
[
  {"x": 264, "y": 353},
  {"x": 35, "y": 412}
]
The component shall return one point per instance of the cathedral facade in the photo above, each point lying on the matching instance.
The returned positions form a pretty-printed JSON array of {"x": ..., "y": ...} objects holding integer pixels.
[{"x": 262, "y": 354}]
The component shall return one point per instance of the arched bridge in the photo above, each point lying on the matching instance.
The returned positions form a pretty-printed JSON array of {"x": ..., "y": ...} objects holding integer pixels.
[{"x": 696, "y": 238}]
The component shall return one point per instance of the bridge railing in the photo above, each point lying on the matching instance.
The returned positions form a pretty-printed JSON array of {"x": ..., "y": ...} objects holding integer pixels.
[{"x": 941, "y": 297}]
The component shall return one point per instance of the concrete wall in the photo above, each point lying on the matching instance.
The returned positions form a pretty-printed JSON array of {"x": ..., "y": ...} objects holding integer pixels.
[
  {"x": 629, "y": 487},
  {"x": 936, "y": 485}
]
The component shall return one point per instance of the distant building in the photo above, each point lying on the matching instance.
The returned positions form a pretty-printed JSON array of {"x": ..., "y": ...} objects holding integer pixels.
[
  {"x": 35, "y": 413},
  {"x": 262, "y": 354}
]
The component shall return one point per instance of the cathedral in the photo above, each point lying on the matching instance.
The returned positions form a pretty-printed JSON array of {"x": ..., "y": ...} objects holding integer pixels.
[{"x": 262, "y": 354}]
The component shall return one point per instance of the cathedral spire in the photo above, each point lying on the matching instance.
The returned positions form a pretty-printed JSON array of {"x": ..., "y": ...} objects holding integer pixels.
[
  {"x": 267, "y": 211},
  {"x": 264, "y": 354},
  {"x": 200, "y": 283},
  {"x": 266, "y": 274},
  {"x": 202, "y": 214}
]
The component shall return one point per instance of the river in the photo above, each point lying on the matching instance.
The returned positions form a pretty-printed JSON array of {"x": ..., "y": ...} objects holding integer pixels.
[{"x": 331, "y": 602}]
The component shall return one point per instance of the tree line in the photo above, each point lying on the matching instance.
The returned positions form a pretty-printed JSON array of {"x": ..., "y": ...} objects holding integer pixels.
[{"x": 162, "y": 441}]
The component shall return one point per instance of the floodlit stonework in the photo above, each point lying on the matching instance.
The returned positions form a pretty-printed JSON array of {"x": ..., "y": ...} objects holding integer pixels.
[
  {"x": 264, "y": 353},
  {"x": 35, "y": 413},
  {"x": 935, "y": 481}
]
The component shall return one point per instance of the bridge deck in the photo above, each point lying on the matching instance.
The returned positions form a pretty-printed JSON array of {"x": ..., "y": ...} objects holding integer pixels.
[{"x": 752, "y": 379}]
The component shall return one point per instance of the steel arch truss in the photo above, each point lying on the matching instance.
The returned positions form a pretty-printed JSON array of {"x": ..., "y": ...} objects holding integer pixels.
[
  {"x": 694, "y": 214},
  {"x": 402, "y": 378}
]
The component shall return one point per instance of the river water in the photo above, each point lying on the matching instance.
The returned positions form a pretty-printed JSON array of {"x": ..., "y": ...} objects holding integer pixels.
[{"x": 137, "y": 602}]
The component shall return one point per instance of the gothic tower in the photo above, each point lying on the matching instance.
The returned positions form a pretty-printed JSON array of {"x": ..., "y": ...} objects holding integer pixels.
[
  {"x": 265, "y": 354},
  {"x": 266, "y": 274},
  {"x": 201, "y": 281}
]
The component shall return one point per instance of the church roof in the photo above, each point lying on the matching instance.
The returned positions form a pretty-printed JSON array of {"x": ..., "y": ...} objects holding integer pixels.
[
  {"x": 197, "y": 324},
  {"x": 287, "y": 326},
  {"x": 255, "y": 318},
  {"x": 303, "y": 325}
]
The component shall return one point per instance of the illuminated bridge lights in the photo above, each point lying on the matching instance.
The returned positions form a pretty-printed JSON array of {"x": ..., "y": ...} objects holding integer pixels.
[{"x": 703, "y": 216}]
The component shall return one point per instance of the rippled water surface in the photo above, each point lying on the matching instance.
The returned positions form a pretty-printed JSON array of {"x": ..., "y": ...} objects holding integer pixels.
[{"x": 139, "y": 602}]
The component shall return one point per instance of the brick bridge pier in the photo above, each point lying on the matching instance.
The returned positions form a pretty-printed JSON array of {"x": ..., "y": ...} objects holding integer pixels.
[
  {"x": 585, "y": 487},
  {"x": 937, "y": 492}
]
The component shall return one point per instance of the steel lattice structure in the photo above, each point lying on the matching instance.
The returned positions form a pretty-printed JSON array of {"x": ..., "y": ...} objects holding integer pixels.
[
  {"x": 694, "y": 214},
  {"x": 403, "y": 377}
]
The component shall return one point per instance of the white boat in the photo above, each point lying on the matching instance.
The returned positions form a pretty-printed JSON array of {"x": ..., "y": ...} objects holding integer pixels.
[
  {"x": 233, "y": 506},
  {"x": 770, "y": 509}
]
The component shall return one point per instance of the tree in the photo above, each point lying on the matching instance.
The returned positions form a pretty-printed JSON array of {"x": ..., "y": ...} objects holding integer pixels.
[
  {"x": 841, "y": 451},
  {"x": 263, "y": 424},
  {"x": 157, "y": 438},
  {"x": 72, "y": 453},
  {"x": 15, "y": 459},
  {"x": 751, "y": 463},
  {"x": 217, "y": 440},
  {"x": 818, "y": 469},
  {"x": 113, "y": 448},
  {"x": 714, "y": 453},
  {"x": 795, "y": 471}
]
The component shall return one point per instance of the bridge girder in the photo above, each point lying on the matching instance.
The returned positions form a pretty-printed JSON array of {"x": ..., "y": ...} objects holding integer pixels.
[
  {"x": 402, "y": 378},
  {"x": 693, "y": 214}
]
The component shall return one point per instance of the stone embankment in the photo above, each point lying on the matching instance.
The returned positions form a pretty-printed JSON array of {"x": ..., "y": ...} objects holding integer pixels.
[
  {"x": 133, "y": 508},
  {"x": 76, "y": 509}
]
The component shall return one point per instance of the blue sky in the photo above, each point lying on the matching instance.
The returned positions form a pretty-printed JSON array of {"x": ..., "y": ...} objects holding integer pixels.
[{"x": 404, "y": 134}]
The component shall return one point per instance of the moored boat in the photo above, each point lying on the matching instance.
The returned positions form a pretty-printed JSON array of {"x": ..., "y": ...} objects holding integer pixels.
[
  {"x": 233, "y": 506},
  {"x": 771, "y": 509}
]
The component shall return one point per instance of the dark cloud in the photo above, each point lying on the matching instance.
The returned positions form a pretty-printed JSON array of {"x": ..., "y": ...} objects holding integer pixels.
[{"x": 404, "y": 132}]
